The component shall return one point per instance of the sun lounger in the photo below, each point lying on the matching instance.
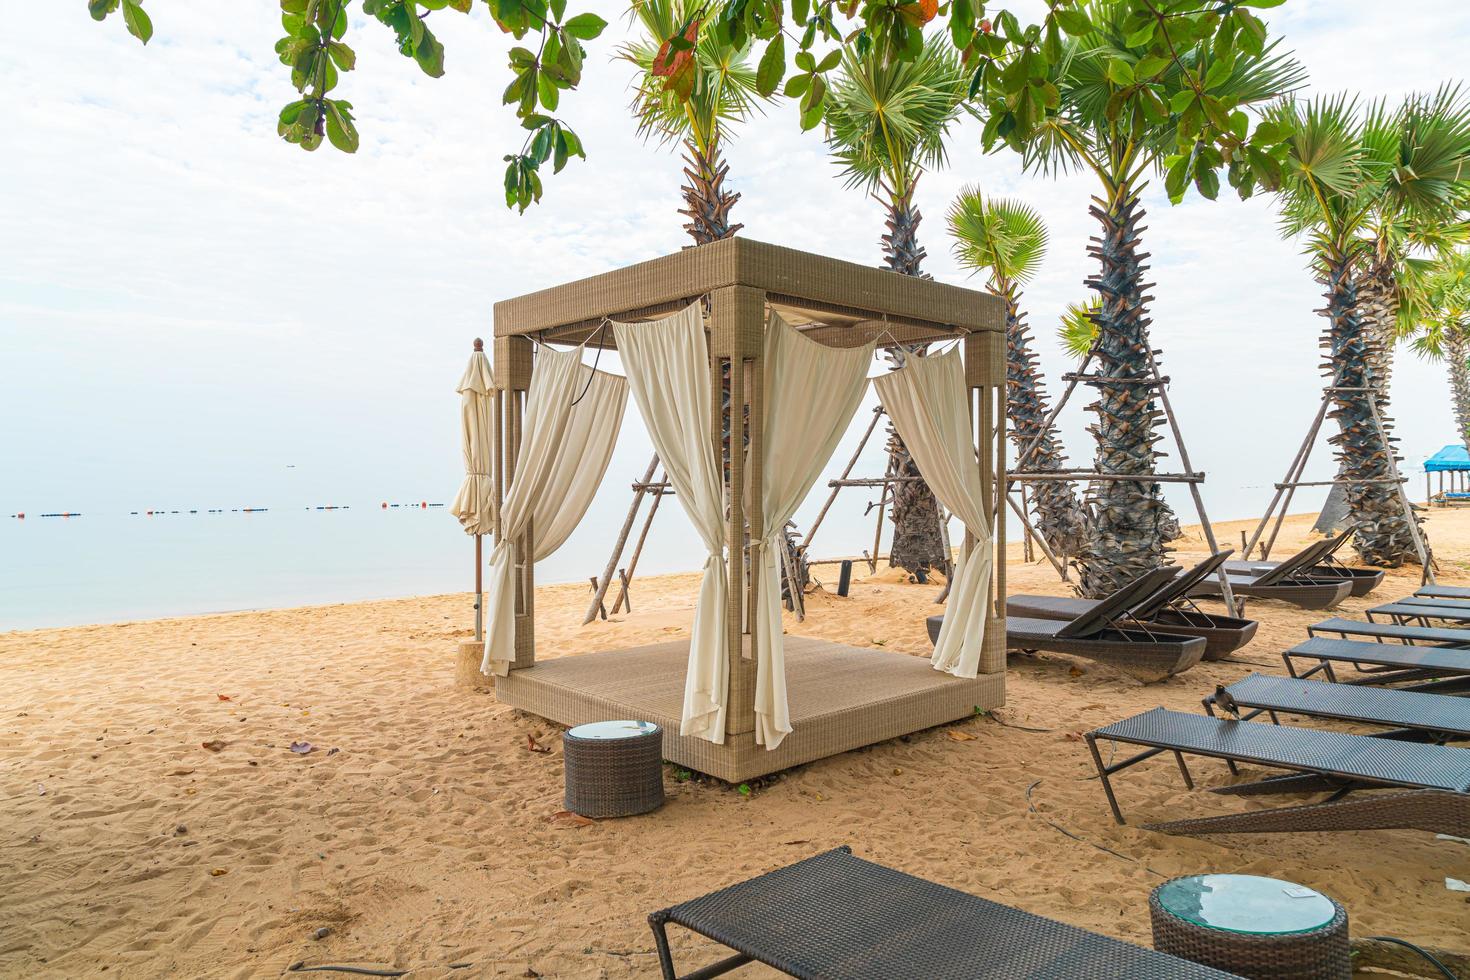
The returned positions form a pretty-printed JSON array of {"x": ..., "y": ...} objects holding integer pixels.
[
  {"x": 1102, "y": 634},
  {"x": 1444, "y": 592},
  {"x": 1167, "y": 609},
  {"x": 1438, "y": 636},
  {"x": 1420, "y": 612},
  {"x": 1443, "y": 669},
  {"x": 1307, "y": 594},
  {"x": 838, "y": 916},
  {"x": 1316, "y": 562},
  {"x": 1409, "y": 715},
  {"x": 1437, "y": 776}
]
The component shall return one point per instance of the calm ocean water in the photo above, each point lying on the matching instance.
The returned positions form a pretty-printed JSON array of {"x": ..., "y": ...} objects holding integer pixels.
[{"x": 111, "y": 567}]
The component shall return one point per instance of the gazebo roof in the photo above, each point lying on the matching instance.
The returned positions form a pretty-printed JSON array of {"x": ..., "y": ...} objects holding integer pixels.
[
  {"x": 1451, "y": 458},
  {"x": 835, "y": 302}
]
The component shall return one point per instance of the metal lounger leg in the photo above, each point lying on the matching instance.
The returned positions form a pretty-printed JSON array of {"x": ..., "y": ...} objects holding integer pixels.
[
  {"x": 1102, "y": 774},
  {"x": 658, "y": 923}
]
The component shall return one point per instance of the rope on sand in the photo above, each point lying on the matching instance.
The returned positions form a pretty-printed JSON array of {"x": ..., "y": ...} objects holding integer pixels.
[
  {"x": 1082, "y": 840},
  {"x": 300, "y": 967}
]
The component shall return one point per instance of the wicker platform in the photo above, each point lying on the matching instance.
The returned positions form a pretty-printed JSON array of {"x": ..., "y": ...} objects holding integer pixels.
[{"x": 840, "y": 697}]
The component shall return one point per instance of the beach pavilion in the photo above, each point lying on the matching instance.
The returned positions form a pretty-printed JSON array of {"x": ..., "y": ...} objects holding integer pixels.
[
  {"x": 785, "y": 336},
  {"x": 1452, "y": 463}
]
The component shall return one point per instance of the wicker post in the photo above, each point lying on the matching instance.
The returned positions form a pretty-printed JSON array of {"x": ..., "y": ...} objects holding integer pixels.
[
  {"x": 736, "y": 325},
  {"x": 514, "y": 366},
  {"x": 985, "y": 362}
]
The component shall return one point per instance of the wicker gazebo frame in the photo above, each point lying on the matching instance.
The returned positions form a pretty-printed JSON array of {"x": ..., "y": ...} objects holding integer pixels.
[{"x": 835, "y": 303}]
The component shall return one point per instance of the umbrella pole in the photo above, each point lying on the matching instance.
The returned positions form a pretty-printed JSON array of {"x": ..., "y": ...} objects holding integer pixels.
[{"x": 479, "y": 595}]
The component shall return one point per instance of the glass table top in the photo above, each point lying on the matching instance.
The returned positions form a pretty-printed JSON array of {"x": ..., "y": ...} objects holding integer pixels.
[
  {"x": 613, "y": 729},
  {"x": 1247, "y": 904}
]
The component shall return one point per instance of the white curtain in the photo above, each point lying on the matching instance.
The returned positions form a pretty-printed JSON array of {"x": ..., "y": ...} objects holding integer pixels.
[
  {"x": 812, "y": 392},
  {"x": 927, "y": 401},
  {"x": 474, "y": 505},
  {"x": 563, "y": 456},
  {"x": 667, "y": 362}
]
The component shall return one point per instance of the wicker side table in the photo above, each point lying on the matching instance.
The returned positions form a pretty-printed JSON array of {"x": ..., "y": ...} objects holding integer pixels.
[
  {"x": 614, "y": 768},
  {"x": 1252, "y": 926}
]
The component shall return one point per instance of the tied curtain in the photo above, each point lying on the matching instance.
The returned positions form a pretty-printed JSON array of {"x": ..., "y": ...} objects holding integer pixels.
[
  {"x": 564, "y": 453},
  {"x": 927, "y": 401},
  {"x": 667, "y": 362},
  {"x": 812, "y": 392},
  {"x": 474, "y": 505}
]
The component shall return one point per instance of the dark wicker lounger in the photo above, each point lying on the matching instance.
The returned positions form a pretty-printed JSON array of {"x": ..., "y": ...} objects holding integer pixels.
[
  {"x": 1437, "y": 776},
  {"x": 1103, "y": 633},
  {"x": 1437, "y": 636},
  {"x": 1165, "y": 611},
  {"x": 1409, "y": 715},
  {"x": 838, "y": 916},
  {"x": 1312, "y": 594},
  {"x": 1316, "y": 561},
  {"x": 1420, "y": 613},
  {"x": 1444, "y": 592},
  {"x": 1384, "y": 663}
]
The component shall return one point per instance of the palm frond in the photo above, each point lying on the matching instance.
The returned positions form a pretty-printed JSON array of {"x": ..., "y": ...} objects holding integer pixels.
[
  {"x": 1002, "y": 237},
  {"x": 1076, "y": 330},
  {"x": 724, "y": 91},
  {"x": 887, "y": 119}
]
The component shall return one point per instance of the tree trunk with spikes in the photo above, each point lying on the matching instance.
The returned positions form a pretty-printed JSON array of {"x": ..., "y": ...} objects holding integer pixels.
[
  {"x": 1457, "y": 358},
  {"x": 1378, "y": 310},
  {"x": 706, "y": 202},
  {"x": 901, "y": 248},
  {"x": 1131, "y": 522},
  {"x": 1384, "y": 537},
  {"x": 918, "y": 539},
  {"x": 1059, "y": 515}
]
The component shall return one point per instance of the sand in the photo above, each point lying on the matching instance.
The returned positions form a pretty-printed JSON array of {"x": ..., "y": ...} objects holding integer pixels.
[{"x": 422, "y": 833}]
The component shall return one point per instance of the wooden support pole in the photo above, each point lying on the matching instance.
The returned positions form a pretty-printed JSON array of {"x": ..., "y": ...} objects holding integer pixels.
[
  {"x": 1227, "y": 595},
  {"x": 627, "y": 580},
  {"x": 842, "y": 481},
  {"x": 601, "y": 584}
]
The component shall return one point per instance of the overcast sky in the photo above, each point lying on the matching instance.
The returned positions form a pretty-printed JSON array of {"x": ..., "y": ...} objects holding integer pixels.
[{"x": 188, "y": 304}]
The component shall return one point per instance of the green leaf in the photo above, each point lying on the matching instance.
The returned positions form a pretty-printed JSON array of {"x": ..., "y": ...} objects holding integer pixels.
[
  {"x": 1120, "y": 72},
  {"x": 546, "y": 89},
  {"x": 344, "y": 56},
  {"x": 796, "y": 85},
  {"x": 772, "y": 67},
  {"x": 138, "y": 23},
  {"x": 805, "y": 61},
  {"x": 585, "y": 26},
  {"x": 1182, "y": 100},
  {"x": 830, "y": 62},
  {"x": 1219, "y": 71},
  {"x": 1149, "y": 66},
  {"x": 1177, "y": 178},
  {"x": 1142, "y": 37},
  {"x": 1207, "y": 182},
  {"x": 99, "y": 9},
  {"x": 1074, "y": 22},
  {"x": 340, "y": 129},
  {"x": 430, "y": 55}
]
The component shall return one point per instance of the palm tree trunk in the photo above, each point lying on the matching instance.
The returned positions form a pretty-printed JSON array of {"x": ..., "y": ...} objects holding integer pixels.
[
  {"x": 901, "y": 249},
  {"x": 1060, "y": 518},
  {"x": 1378, "y": 309},
  {"x": 1457, "y": 357},
  {"x": 918, "y": 539},
  {"x": 1131, "y": 521},
  {"x": 1373, "y": 502},
  {"x": 706, "y": 202}
]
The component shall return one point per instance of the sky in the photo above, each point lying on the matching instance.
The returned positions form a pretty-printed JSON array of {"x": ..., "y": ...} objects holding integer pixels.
[{"x": 191, "y": 308}]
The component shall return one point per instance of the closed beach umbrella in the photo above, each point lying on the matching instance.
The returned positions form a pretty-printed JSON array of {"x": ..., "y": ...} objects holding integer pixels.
[{"x": 474, "y": 505}]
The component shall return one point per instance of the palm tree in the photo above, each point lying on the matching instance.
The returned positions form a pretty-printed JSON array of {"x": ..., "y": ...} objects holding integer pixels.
[
  {"x": 886, "y": 124},
  {"x": 1422, "y": 151},
  {"x": 1330, "y": 183},
  {"x": 1442, "y": 320},
  {"x": 721, "y": 91},
  {"x": 1115, "y": 118},
  {"x": 1006, "y": 240},
  {"x": 1076, "y": 331}
]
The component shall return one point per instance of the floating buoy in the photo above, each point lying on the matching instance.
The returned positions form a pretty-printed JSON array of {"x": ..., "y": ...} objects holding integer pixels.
[
  {"x": 385, "y": 505},
  {"x": 424, "y": 504}
]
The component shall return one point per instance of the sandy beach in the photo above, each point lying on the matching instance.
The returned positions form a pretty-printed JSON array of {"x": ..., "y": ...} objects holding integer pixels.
[{"x": 422, "y": 833}]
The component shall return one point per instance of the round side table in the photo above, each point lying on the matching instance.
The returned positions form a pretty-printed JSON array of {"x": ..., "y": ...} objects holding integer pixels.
[
  {"x": 614, "y": 768},
  {"x": 1252, "y": 926}
]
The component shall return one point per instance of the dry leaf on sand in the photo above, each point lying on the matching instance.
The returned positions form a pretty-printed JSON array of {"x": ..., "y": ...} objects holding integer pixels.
[
  {"x": 214, "y": 744},
  {"x": 960, "y": 736},
  {"x": 567, "y": 816},
  {"x": 536, "y": 746},
  {"x": 224, "y": 697}
]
